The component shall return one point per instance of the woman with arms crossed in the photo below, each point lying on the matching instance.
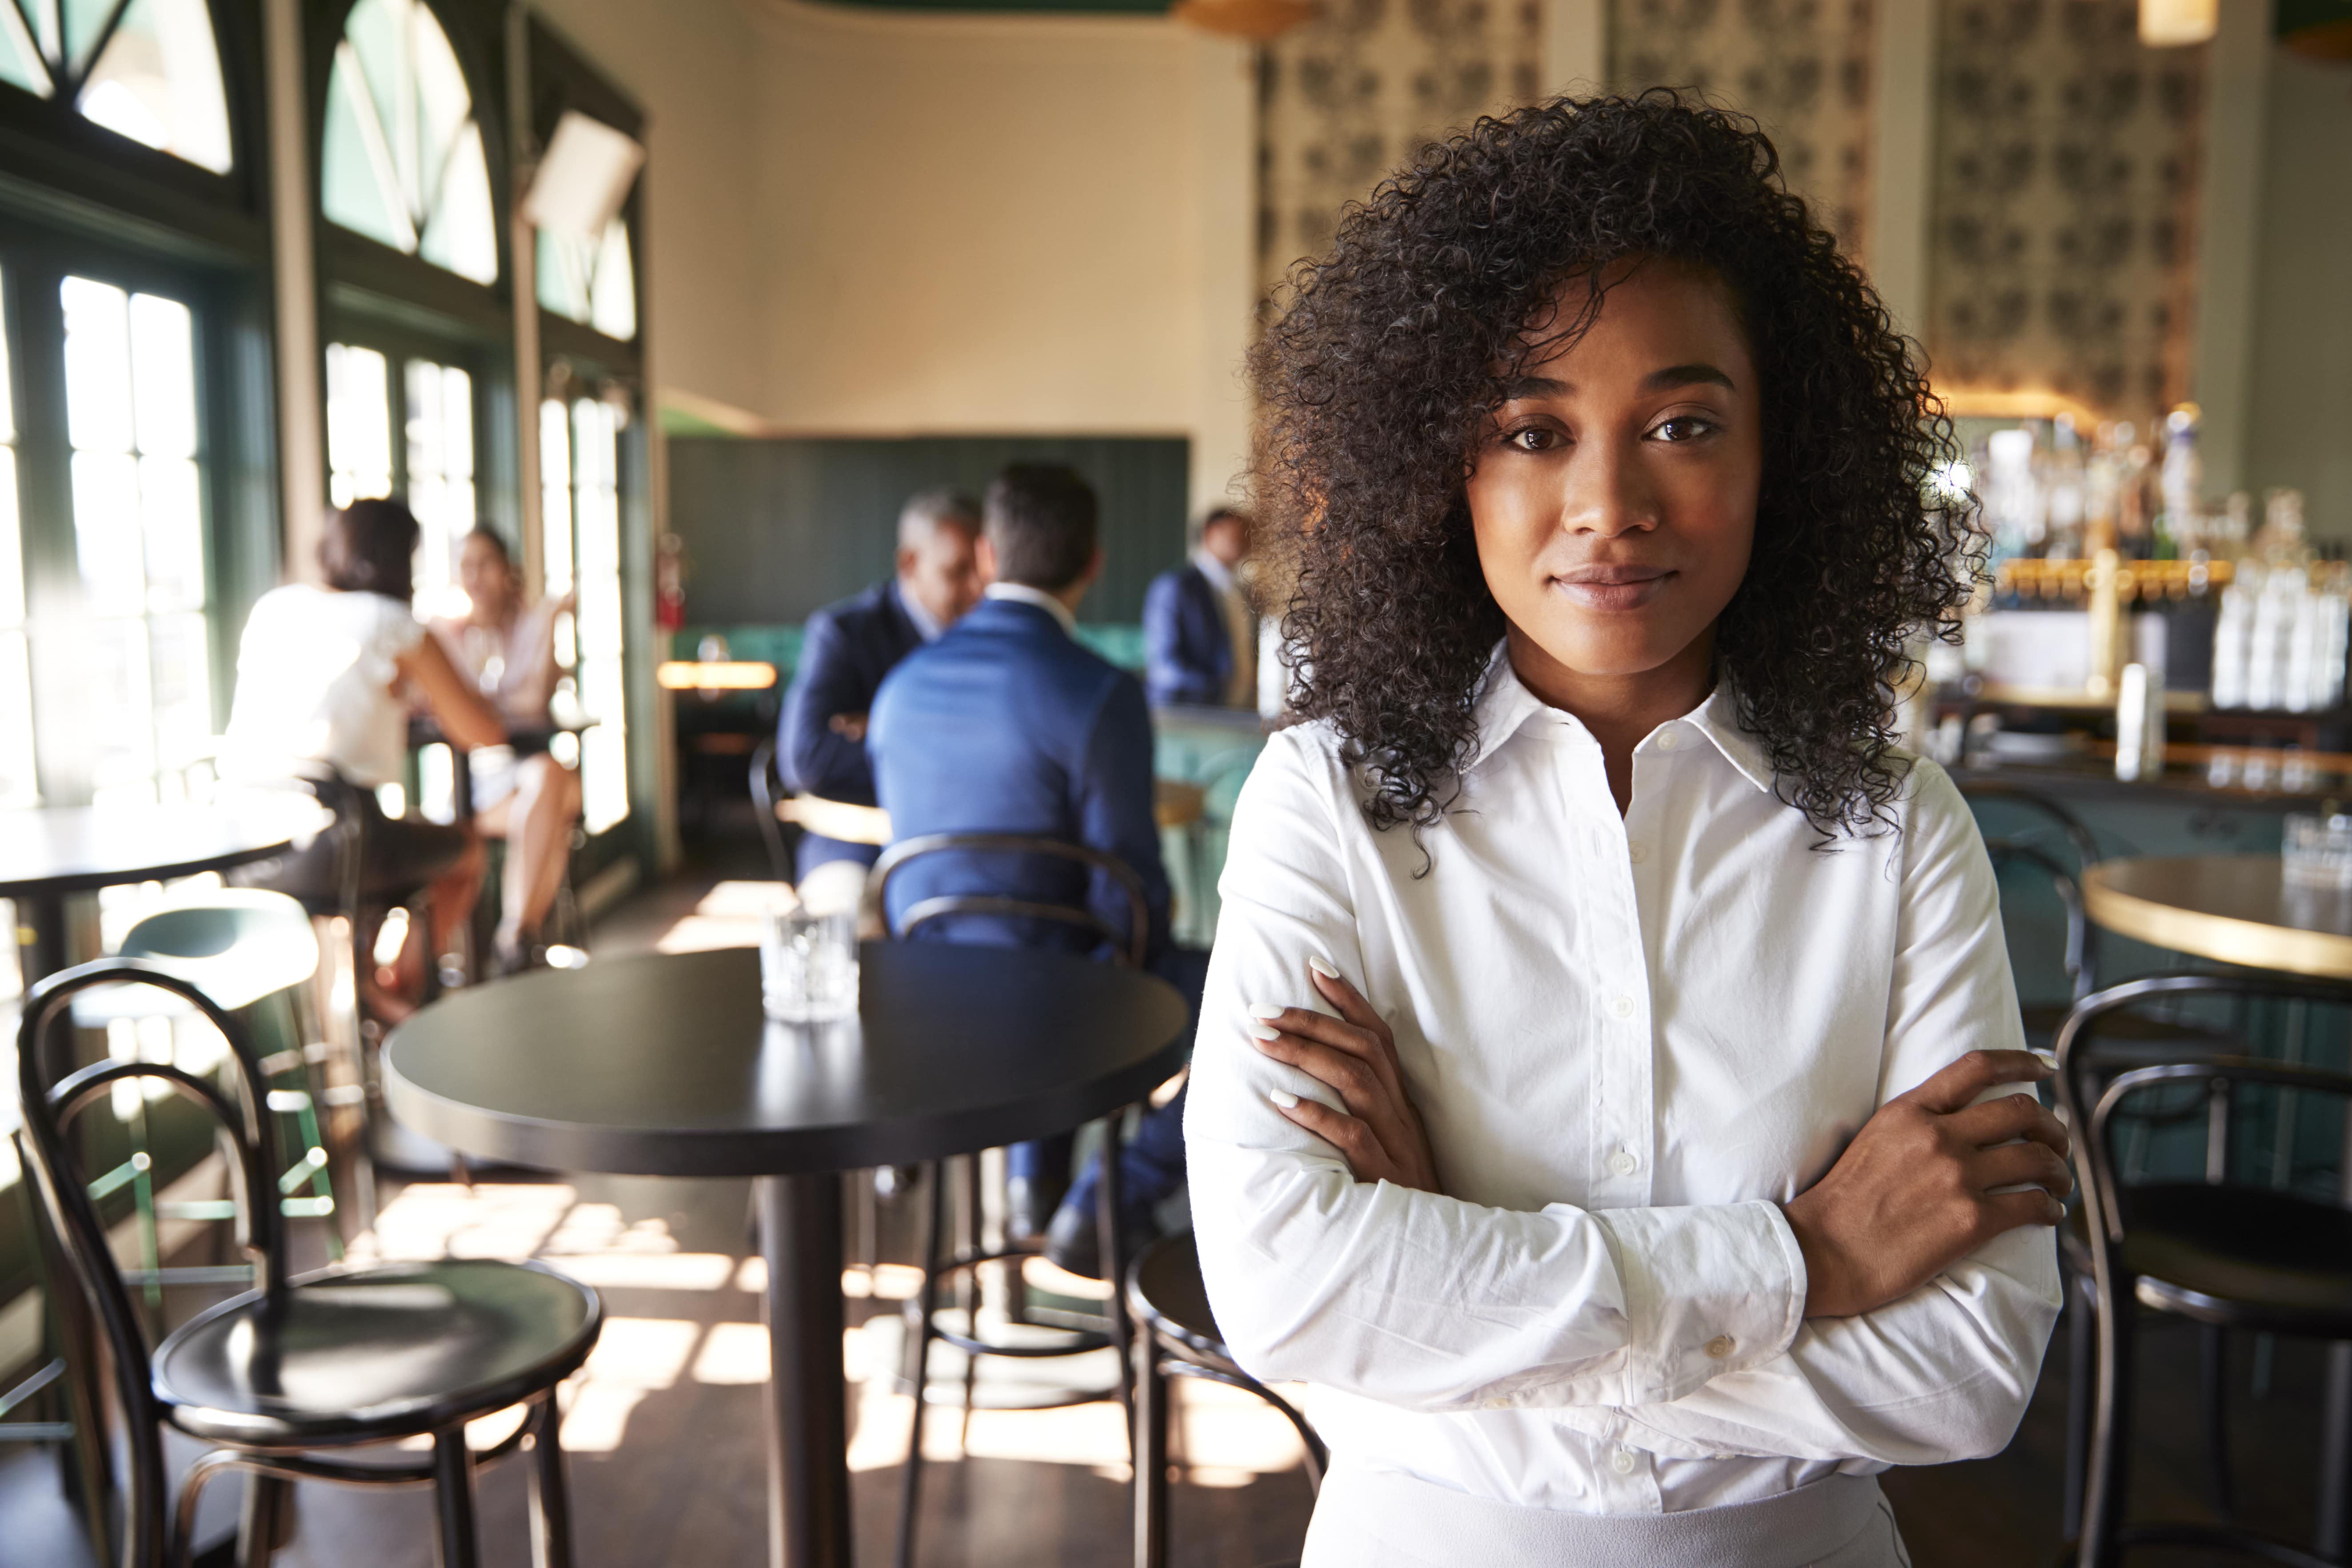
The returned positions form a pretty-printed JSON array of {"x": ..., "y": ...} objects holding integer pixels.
[{"x": 1669, "y": 1166}]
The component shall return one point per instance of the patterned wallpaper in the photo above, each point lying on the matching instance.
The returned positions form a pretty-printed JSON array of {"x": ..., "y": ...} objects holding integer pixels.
[
  {"x": 2064, "y": 253},
  {"x": 1353, "y": 94},
  {"x": 1802, "y": 67}
]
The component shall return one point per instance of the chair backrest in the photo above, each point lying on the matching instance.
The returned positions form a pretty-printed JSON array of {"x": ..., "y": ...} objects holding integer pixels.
[
  {"x": 767, "y": 789},
  {"x": 51, "y": 1095},
  {"x": 2081, "y": 957},
  {"x": 1130, "y": 945},
  {"x": 2091, "y": 1099}
]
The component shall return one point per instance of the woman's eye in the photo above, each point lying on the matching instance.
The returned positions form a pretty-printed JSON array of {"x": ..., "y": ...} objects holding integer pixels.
[
  {"x": 1534, "y": 438},
  {"x": 1684, "y": 427}
]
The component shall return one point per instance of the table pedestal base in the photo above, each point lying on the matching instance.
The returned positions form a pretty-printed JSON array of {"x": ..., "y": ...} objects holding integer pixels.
[{"x": 808, "y": 1410}]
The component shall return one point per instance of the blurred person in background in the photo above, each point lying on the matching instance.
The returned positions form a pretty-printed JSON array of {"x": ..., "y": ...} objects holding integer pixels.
[
  {"x": 1200, "y": 630},
  {"x": 846, "y": 650},
  {"x": 508, "y": 648},
  {"x": 1008, "y": 724},
  {"x": 324, "y": 675}
]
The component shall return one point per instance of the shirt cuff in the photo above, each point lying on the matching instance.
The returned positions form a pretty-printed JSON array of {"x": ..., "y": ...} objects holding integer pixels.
[{"x": 1708, "y": 1290}]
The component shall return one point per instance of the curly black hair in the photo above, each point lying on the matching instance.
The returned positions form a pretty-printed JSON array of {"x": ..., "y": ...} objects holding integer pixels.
[{"x": 1390, "y": 354}]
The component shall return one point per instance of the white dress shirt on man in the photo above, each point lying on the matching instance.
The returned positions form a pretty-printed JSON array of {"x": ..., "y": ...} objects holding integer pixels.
[{"x": 1631, "y": 1038}]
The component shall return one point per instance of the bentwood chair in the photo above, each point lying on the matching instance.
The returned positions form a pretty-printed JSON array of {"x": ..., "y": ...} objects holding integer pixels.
[
  {"x": 1176, "y": 1335},
  {"x": 2132, "y": 1038},
  {"x": 2218, "y": 1252},
  {"x": 339, "y": 1359},
  {"x": 1081, "y": 1333}
]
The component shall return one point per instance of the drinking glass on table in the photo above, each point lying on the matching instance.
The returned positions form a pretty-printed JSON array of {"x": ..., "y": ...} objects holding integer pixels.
[
  {"x": 2317, "y": 849},
  {"x": 808, "y": 964}
]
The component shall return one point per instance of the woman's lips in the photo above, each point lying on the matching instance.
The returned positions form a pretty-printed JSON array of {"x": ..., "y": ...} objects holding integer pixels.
[{"x": 1613, "y": 587}]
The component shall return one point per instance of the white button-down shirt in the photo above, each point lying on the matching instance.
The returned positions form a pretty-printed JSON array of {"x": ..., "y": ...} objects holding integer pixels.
[{"x": 1630, "y": 1039}]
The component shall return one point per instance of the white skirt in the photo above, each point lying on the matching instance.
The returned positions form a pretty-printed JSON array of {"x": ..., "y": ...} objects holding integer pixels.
[{"x": 1377, "y": 1518}]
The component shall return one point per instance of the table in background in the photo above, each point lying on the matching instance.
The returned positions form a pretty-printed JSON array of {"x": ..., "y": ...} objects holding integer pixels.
[
  {"x": 49, "y": 852},
  {"x": 663, "y": 1065}
]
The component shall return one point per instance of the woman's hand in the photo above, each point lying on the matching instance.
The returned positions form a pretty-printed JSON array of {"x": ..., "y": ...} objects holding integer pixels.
[
  {"x": 1912, "y": 1194},
  {"x": 1353, "y": 1054}
]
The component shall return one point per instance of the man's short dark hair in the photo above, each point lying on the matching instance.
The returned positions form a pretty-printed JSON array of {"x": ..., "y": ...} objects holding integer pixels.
[{"x": 1041, "y": 523}]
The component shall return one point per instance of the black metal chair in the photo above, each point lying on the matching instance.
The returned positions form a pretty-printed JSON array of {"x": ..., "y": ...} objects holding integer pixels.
[
  {"x": 1083, "y": 1334},
  {"x": 333, "y": 1359},
  {"x": 1176, "y": 1335},
  {"x": 767, "y": 789},
  {"x": 2221, "y": 1254}
]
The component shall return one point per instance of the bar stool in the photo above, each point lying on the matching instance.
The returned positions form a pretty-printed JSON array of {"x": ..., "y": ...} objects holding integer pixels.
[
  {"x": 1082, "y": 1333},
  {"x": 332, "y": 1360},
  {"x": 2220, "y": 1254},
  {"x": 1176, "y": 1335}
]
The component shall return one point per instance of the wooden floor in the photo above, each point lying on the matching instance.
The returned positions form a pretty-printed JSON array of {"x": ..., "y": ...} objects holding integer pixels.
[{"x": 665, "y": 1430}]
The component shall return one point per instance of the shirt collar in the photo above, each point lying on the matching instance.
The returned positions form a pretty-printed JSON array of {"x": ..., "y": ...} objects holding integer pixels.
[
  {"x": 1023, "y": 594},
  {"x": 1504, "y": 704},
  {"x": 927, "y": 626},
  {"x": 1220, "y": 575}
]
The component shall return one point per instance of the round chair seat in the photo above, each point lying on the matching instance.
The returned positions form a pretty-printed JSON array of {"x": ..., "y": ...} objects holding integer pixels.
[
  {"x": 238, "y": 945},
  {"x": 1165, "y": 1289},
  {"x": 2243, "y": 1257},
  {"x": 367, "y": 1354}
]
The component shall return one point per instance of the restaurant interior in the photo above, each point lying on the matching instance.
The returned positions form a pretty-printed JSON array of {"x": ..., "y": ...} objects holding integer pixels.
[{"x": 655, "y": 317}]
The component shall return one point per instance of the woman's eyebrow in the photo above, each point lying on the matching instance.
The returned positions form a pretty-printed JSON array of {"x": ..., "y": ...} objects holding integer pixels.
[{"x": 1694, "y": 375}]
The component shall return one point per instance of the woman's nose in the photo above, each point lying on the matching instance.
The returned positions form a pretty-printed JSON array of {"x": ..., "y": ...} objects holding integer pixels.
[{"x": 1606, "y": 492}]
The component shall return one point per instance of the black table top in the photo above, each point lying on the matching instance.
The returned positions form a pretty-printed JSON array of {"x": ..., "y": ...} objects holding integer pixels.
[
  {"x": 666, "y": 1065},
  {"x": 66, "y": 849}
]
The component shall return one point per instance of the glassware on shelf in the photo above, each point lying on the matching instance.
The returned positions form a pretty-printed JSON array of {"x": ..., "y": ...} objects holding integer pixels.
[{"x": 2317, "y": 849}]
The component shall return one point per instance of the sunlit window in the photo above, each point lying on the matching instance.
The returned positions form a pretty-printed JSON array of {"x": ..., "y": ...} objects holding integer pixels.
[
  {"x": 148, "y": 69},
  {"x": 593, "y": 283},
  {"x": 440, "y": 481},
  {"x": 402, "y": 161},
  {"x": 579, "y": 454},
  {"x": 359, "y": 424},
  {"x": 131, "y": 416},
  {"x": 17, "y": 783}
]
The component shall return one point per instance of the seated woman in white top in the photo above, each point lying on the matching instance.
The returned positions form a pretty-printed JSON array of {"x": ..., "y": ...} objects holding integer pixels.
[
  {"x": 1652, "y": 1164},
  {"x": 530, "y": 801},
  {"x": 323, "y": 674}
]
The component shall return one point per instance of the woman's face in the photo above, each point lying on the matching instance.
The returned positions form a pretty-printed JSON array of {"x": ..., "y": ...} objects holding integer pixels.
[
  {"x": 1614, "y": 498},
  {"x": 482, "y": 573}
]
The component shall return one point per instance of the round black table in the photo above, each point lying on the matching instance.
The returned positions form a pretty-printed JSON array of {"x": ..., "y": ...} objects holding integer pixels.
[
  {"x": 665, "y": 1066},
  {"x": 51, "y": 852}
]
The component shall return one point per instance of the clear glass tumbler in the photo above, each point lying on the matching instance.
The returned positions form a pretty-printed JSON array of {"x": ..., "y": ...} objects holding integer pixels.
[
  {"x": 808, "y": 965},
  {"x": 2317, "y": 849}
]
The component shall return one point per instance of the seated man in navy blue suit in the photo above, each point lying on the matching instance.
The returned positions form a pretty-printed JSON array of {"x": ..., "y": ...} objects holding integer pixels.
[
  {"x": 1007, "y": 724},
  {"x": 846, "y": 650},
  {"x": 1199, "y": 634}
]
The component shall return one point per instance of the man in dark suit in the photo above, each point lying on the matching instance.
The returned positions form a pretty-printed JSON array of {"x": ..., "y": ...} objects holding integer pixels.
[
  {"x": 1199, "y": 634},
  {"x": 1007, "y": 724},
  {"x": 846, "y": 650}
]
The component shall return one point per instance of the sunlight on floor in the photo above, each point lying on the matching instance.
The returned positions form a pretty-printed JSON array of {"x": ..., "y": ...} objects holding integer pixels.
[
  {"x": 728, "y": 916},
  {"x": 1222, "y": 1437}
]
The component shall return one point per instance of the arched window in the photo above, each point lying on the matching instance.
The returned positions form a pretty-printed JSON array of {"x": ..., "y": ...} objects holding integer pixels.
[
  {"x": 403, "y": 162},
  {"x": 593, "y": 284},
  {"x": 148, "y": 69}
]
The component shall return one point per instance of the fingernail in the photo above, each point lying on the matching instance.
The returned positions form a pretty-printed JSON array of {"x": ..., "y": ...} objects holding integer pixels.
[
  {"x": 2048, "y": 1060},
  {"x": 1282, "y": 1096},
  {"x": 1265, "y": 1010},
  {"x": 1265, "y": 1031},
  {"x": 1322, "y": 966}
]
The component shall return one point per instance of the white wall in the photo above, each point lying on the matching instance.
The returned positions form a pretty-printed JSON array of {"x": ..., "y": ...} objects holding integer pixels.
[
  {"x": 2298, "y": 429},
  {"x": 1003, "y": 225}
]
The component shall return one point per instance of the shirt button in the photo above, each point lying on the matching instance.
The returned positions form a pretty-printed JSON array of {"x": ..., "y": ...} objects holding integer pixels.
[
  {"x": 1622, "y": 1006},
  {"x": 1666, "y": 741},
  {"x": 1719, "y": 1346},
  {"x": 1622, "y": 1461},
  {"x": 1622, "y": 1163},
  {"x": 1637, "y": 852}
]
